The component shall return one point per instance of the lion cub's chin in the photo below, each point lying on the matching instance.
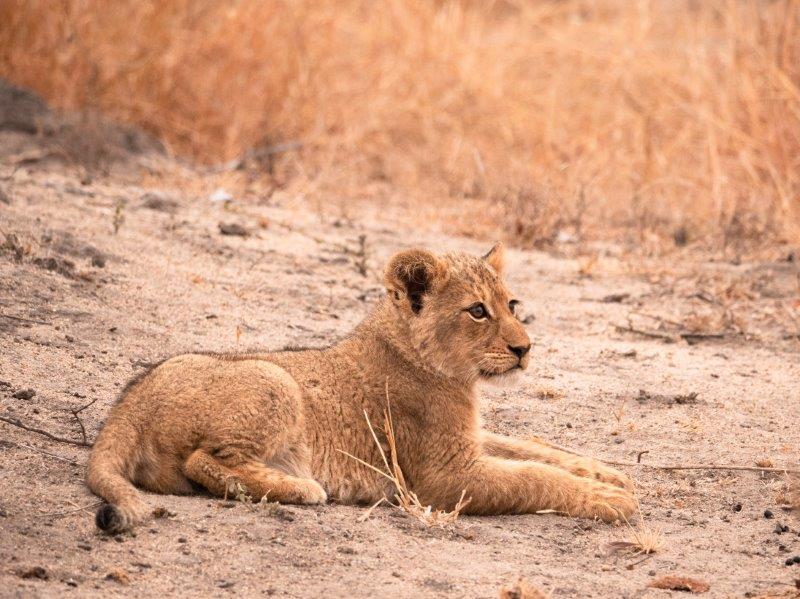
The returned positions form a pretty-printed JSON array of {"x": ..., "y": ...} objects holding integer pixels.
[{"x": 509, "y": 378}]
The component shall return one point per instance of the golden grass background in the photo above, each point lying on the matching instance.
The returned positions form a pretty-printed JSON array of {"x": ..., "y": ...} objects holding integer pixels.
[{"x": 640, "y": 118}]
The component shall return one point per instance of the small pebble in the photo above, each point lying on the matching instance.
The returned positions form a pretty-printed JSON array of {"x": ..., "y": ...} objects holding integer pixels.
[
  {"x": 796, "y": 559},
  {"x": 181, "y": 539},
  {"x": 789, "y": 561},
  {"x": 768, "y": 514},
  {"x": 737, "y": 507},
  {"x": 233, "y": 229},
  {"x": 24, "y": 394}
]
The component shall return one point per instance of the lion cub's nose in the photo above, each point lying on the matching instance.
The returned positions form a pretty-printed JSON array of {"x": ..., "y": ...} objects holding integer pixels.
[{"x": 519, "y": 350}]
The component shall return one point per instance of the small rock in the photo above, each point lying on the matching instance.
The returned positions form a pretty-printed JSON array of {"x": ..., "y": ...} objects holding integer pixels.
[
  {"x": 98, "y": 261},
  {"x": 157, "y": 201},
  {"x": 615, "y": 298},
  {"x": 85, "y": 546},
  {"x": 24, "y": 394},
  {"x": 220, "y": 195},
  {"x": 680, "y": 236},
  {"x": 34, "y": 572},
  {"x": 737, "y": 507},
  {"x": 62, "y": 266},
  {"x": 71, "y": 582},
  {"x": 768, "y": 514},
  {"x": 225, "y": 584},
  {"x": 233, "y": 229},
  {"x": 181, "y": 539},
  {"x": 347, "y": 550}
]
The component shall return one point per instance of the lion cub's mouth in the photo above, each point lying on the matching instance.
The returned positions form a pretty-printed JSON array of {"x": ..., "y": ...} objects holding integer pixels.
[{"x": 487, "y": 374}]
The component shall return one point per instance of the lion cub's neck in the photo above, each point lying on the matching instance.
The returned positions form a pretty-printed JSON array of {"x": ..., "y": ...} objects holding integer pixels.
[{"x": 386, "y": 343}]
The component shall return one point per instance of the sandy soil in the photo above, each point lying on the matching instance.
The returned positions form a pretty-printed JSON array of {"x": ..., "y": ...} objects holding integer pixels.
[{"x": 83, "y": 308}]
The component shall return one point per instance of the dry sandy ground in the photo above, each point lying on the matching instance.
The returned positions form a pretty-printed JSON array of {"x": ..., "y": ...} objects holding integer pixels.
[{"x": 169, "y": 281}]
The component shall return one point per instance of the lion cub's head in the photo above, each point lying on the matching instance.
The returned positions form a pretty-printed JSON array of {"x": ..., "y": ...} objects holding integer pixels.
[{"x": 459, "y": 314}]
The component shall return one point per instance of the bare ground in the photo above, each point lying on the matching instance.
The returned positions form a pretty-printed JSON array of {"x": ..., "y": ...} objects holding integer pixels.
[{"x": 82, "y": 309}]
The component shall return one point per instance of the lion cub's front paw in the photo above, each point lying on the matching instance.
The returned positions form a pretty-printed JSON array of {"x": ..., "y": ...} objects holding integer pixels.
[
  {"x": 612, "y": 476},
  {"x": 609, "y": 503},
  {"x": 605, "y": 474}
]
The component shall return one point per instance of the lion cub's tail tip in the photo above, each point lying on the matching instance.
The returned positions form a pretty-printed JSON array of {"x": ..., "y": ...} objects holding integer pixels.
[{"x": 109, "y": 518}]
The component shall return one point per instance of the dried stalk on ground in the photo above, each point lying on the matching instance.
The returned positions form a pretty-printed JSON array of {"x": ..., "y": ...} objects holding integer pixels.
[
  {"x": 643, "y": 539},
  {"x": 19, "y": 424},
  {"x": 406, "y": 499}
]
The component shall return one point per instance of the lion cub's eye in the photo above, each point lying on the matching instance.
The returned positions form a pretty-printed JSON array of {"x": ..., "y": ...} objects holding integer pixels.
[
  {"x": 478, "y": 311},
  {"x": 512, "y": 305}
]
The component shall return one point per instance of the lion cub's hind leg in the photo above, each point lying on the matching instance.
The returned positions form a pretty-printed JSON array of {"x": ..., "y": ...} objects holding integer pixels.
[{"x": 255, "y": 477}]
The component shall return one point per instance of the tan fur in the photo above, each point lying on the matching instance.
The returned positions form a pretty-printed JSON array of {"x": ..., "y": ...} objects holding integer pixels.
[{"x": 275, "y": 423}]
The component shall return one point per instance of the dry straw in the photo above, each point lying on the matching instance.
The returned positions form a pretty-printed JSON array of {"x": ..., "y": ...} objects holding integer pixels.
[{"x": 406, "y": 499}]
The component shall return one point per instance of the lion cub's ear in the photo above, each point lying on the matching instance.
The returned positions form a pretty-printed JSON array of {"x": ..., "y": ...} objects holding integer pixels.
[
  {"x": 497, "y": 257},
  {"x": 413, "y": 274}
]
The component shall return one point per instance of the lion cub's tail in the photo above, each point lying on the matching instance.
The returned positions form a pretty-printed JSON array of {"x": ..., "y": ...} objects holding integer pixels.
[{"x": 111, "y": 467}]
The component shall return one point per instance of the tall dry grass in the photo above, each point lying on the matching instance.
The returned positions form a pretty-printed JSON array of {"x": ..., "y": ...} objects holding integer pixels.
[{"x": 584, "y": 117}]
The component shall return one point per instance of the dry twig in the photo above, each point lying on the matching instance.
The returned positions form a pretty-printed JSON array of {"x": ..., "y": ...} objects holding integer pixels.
[
  {"x": 688, "y": 336},
  {"x": 638, "y": 463},
  {"x": 79, "y": 508},
  {"x": 21, "y": 319},
  {"x": 43, "y": 452},
  {"x": 80, "y": 422},
  {"x": 707, "y": 467},
  {"x": 19, "y": 424}
]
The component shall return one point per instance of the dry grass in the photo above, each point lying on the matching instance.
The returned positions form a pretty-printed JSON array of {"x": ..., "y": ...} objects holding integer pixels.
[
  {"x": 644, "y": 538},
  {"x": 665, "y": 119},
  {"x": 406, "y": 499}
]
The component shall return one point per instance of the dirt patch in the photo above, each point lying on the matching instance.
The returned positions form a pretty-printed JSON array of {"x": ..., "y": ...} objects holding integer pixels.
[{"x": 173, "y": 282}]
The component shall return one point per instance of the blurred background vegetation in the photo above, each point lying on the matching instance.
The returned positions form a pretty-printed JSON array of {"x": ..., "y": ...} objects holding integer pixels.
[{"x": 532, "y": 120}]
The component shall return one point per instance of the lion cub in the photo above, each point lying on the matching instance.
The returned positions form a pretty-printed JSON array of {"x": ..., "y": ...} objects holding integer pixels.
[{"x": 272, "y": 423}]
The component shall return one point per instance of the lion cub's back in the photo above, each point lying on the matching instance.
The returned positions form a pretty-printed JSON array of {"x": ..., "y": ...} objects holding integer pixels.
[{"x": 207, "y": 394}]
